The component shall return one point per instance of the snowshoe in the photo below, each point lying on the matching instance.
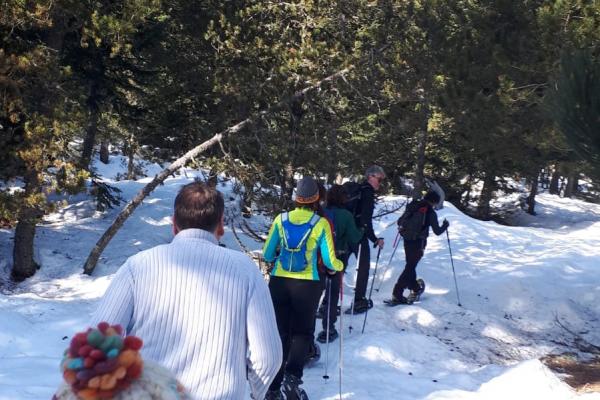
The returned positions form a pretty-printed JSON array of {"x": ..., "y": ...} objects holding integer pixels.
[
  {"x": 394, "y": 301},
  {"x": 313, "y": 356},
  {"x": 291, "y": 388},
  {"x": 360, "y": 306},
  {"x": 416, "y": 295},
  {"x": 322, "y": 337}
]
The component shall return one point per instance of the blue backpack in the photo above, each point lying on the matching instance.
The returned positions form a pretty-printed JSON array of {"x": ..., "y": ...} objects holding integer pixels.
[{"x": 293, "y": 252}]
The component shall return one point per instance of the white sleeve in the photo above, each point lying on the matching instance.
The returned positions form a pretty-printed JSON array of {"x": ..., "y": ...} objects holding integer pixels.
[
  {"x": 116, "y": 306},
  {"x": 264, "y": 345}
]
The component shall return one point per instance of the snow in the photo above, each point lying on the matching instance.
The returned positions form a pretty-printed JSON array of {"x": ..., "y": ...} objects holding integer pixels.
[{"x": 517, "y": 285}]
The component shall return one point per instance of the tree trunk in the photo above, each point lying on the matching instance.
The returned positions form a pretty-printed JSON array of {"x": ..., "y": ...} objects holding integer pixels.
[
  {"x": 572, "y": 183},
  {"x": 553, "y": 189},
  {"x": 420, "y": 167},
  {"x": 112, "y": 230},
  {"x": 130, "y": 148},
  {"x": 104, "y": 151},
  {"x": 532, "y": 194},
  {"x": 92, "y": 129},
  {"x": 296, "y": 112},
  {"x": 483, "y": 207},
  {"x": 24, "y": 265}
]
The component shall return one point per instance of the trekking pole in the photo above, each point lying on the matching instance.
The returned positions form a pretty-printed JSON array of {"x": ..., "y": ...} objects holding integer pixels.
[
  {"x": 396, "y": 243},
  {"x": 353, "y": 301},
  {"x": 328, "y": 289},
  {"x": 371, "y": 291},
  {"x": 341, "y": 329},
  {"x": 453, "y": 272}
]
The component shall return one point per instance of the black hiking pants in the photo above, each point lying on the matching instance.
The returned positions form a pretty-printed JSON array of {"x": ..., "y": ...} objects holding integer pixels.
[
  {"x": 413, "y": 250},
  {"x": 335, "y": 283},
  {"x": 364, "y": 265},
  {"x": 295, "y": 302}
]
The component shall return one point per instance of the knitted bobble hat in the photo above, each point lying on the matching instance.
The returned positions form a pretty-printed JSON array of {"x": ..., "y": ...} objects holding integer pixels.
[
  {"x": 307, "y": 190},
  {"x": 101, "y": 364}
]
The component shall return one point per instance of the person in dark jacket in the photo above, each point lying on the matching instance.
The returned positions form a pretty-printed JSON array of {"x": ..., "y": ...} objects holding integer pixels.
[
  {"x": 415, "y": 248},
  {"x": 346, "y": 234},
  {"x": 364, "y": 220}
]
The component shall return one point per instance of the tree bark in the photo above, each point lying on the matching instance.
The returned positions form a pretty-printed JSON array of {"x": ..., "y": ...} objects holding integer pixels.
[
  {"x": 483, "y": 207},
  {"x": 532, "y": 194},
  {"x": 92, "y": 129},
  {"x": 553, "y": 188},
  {"x": 572, "y": 183},
  {"x": 94, "y": 255},
  {"x": 420, "y": 167},
  {"x": 104, "y": 156},
  {"x": 24, "y": 265}
]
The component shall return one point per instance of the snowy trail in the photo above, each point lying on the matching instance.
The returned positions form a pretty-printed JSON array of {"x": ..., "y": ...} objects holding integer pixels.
[{"x": 514, "y": 282}]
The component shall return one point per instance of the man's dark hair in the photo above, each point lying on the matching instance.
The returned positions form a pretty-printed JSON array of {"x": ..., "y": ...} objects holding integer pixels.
[
  {"x": 432, "y": 197},
  {"x": 199, "y": 206},
  {"x": 336, "y": 197}
]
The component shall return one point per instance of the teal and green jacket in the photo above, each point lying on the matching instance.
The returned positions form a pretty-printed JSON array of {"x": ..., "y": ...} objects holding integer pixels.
[
  {"x": 320, "y": 239},
  {"x": 346, "y": 232}
]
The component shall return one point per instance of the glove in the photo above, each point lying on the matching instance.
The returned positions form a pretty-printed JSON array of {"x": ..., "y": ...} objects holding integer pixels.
[{"x": 445, "y": 224}]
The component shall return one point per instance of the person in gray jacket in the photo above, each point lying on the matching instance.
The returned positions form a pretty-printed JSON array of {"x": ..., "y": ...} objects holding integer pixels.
[{"x": 203, "y": 311}]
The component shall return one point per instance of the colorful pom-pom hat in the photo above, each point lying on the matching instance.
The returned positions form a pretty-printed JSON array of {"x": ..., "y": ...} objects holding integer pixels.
[{"x": 101, "y": 364}]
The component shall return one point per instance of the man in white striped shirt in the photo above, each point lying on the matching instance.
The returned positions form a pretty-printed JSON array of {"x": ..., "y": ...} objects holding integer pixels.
[{"x": 203, "y": 311}]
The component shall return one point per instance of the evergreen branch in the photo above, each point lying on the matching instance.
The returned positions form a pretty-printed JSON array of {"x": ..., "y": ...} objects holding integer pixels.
[{"x": 94, "y": 255}]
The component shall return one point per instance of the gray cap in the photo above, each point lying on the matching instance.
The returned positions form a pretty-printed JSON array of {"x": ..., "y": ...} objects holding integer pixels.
[{"x": 307, "y": 190}]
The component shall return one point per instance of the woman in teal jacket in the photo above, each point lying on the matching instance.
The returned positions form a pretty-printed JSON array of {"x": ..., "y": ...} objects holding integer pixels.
[{"x": 292, "y": 245}]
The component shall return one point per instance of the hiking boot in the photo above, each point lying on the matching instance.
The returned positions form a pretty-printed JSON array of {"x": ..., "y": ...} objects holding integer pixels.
[
  {"x": 412, "y": 297},
  {"x": 291, "y": 388},
  {"x": 394, "y": 301},
  {"x": 415, "y": 295},
  {"x": 322, "y": 337},
  {"x": 313, "y": 356},
  {"x": 360, "y": 306},
  {"x": 274, "y": 395}
]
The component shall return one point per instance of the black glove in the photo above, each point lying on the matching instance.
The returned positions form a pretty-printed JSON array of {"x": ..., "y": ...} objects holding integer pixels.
[{"x": 445, "y": 224}]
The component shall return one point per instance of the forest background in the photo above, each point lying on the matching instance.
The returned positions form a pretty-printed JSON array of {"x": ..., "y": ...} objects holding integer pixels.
[{"x": 472, "y": 93}]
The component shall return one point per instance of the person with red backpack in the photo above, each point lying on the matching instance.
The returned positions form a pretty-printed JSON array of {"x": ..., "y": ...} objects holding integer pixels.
[
  {"x": 414, "y": 225},
  {"x": 292, "y": 244}
]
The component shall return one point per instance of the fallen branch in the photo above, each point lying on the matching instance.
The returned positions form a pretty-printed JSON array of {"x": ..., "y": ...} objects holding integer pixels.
[
  {"x": 94, "y": 255},
  {"x": 250, "y": 232},
  {"x": 580, "y": 343}
]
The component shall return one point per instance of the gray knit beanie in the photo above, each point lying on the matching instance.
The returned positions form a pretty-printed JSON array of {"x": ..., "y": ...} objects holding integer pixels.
[{"x": 307, "y": 190}]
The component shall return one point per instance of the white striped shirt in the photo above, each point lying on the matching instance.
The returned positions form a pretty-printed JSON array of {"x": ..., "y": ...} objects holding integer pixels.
[{"x": 203, "y": 311}]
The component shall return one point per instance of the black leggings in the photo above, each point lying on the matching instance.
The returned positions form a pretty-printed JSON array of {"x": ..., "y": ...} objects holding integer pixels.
[
  {"x": 295, "y": 302},
  {"x": 364, "y": 265},
  {"x": 413, "y": 249},
  {"x": 336, "y": 281}
]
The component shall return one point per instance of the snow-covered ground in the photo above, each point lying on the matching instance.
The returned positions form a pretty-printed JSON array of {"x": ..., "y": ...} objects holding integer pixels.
[{"x": 517, "y": 286}]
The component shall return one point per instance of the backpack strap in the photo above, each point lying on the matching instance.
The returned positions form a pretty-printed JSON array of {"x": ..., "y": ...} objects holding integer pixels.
[
  {"x": 311, "y": 224},
  {"x": 313, "y": 220}
]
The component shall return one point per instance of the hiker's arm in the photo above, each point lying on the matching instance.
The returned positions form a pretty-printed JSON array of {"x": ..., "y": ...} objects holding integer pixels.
[
  {"x": 264, "y": 345},
  {"x": 270, "y": 247},
  {"x": 116, "y": 306},
  {"x": 326, "y": 247},
  {"x": 435, "y": 226},
  {"x": 366, "y": 216}
]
